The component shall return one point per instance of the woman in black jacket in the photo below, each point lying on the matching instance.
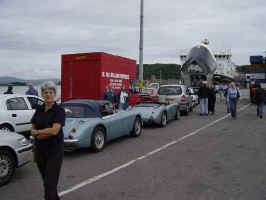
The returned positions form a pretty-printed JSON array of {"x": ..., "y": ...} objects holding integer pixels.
[{"x": 47, "y": 123}]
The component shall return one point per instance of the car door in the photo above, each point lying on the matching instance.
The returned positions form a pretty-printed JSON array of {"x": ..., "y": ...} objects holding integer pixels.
[
  {"x": 114, "y": 126},
  {"x": 112, "y": 120},
  {"x": 18, "y": 112}
]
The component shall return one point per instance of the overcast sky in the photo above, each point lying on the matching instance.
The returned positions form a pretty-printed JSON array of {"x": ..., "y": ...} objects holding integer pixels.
[{"x": 35, "y": 33}]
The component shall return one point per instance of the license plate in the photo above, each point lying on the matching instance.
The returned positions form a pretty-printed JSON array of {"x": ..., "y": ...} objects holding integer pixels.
[{"x": 169, "y": 100}]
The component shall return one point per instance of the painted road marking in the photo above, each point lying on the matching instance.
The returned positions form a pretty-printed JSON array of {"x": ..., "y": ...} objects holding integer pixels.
[{"x": 98, "y": 177}]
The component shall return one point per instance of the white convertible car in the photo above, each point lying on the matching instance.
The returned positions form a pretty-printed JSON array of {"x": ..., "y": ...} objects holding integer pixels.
[{"x": 16, "y": 111}]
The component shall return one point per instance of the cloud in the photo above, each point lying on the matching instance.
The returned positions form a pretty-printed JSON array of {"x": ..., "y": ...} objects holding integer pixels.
[{"x": 34, "y": 33}]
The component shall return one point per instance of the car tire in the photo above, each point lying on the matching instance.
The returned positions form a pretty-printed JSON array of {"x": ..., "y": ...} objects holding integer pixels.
[
  {"x": 98, "y": 139},
  {"x": 191, "y": 109},
  {"x": 177, "y": 114},
  {"x": 7, "y": 166},
  {"x": 5, "y": 128},
  {"x": 163, "y": 119},
  {"x": 137, "y": 128},
  {"x": 186, "y": 111}
]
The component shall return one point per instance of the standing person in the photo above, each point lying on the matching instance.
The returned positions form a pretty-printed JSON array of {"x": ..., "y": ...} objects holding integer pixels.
[
  {"x": 31, "y": 90},
  {"x": 123, "y": 98},
  {"x": 233, "y": 95},
  {"x": 203, "y": 96},
  {"x": 9, "y": 90},
  {"x": 212, "y": 99},
  {"x": 109, "y": 94},
  {"x": 47, "y": 123},
  {"x": 259, "y": 98},
  {"x": 227, "y": 99}
]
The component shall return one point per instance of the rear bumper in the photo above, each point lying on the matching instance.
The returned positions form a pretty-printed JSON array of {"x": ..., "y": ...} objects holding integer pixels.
[{"x": 71, "y": 144}]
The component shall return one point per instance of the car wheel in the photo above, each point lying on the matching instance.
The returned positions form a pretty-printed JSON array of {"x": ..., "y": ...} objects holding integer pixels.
[
  {"x": 7, "y": 166},
  {"x": 137, "y": 127},
  {"x": 5, "y": 128},
  {"x": 177, "y": 114},
  {"x": 186, "y": 111},
  {"x": 98, "y": 139},
  {"x": 191, "y": 108},
  {"x": 163, "y": 119}
]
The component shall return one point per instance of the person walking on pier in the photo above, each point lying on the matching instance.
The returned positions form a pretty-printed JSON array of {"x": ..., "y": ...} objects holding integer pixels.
[
  {"x": 234, "y": 96},
  {"x": 9, "y": 90},
  {"x": 31, "y": 90},
  {"x": 260, "y": 97},
  {"x": 123, "y": 98},
  {"x": 203, "y": 96},
  {"x": 109, "y": 94},
  {"x": 212, "y": 99},
  {"x": 227, "y": 99}
]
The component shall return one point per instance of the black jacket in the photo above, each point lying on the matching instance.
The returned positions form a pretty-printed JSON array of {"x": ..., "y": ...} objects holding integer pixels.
[
  {"x": 203, "y": 92},
  {"x": 259, "y": 95}
]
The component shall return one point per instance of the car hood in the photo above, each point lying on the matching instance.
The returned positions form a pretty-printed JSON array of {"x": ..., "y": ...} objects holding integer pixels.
[{"x": 7, "y": 135}]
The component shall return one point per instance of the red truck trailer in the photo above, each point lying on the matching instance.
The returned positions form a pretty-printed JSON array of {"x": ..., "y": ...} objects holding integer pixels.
[{"x": 85, "y": 75}]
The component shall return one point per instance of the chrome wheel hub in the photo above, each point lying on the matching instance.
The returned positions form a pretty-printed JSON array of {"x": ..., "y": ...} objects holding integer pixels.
[
  {"x": 137, "y": 127},
  {"x": 99, "y": 140},
  {"x": 3, "y": 166}
]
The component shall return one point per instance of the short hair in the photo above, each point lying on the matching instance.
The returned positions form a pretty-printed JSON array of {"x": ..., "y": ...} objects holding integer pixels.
[{"x": 48, "y": 85}]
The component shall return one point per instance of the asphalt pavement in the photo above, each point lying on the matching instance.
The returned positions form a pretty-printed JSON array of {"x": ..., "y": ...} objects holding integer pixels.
[{"x": 197, "y": 157}]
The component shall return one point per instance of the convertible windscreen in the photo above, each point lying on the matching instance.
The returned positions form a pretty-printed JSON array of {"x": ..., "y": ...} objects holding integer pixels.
[
  {"x": 170, "y": 90},
  {"x": 79, "y": 111},
  {"x": 147, "y": 105},
  {"x": 146, "y": 91}
]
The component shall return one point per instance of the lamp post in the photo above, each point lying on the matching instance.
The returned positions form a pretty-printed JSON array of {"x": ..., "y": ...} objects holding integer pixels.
[{"x": 141, "y": 43}]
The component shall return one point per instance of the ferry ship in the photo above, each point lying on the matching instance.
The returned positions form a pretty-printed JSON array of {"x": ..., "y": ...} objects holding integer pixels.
[{"x": 218, "y": 62}]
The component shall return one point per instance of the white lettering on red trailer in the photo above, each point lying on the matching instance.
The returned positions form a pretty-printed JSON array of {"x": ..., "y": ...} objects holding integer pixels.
[{"x": 115, "y": 75}]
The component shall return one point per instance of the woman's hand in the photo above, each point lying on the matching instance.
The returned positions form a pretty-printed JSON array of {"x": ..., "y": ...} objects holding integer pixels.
[
  {"x": 38, "y": 135},
  {"x": 34, "y": 132},
  {"x": 42, "y": 137}
]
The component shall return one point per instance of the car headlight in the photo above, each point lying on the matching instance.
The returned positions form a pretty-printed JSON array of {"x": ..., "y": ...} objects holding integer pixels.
[{"x": 23, "y": 141}]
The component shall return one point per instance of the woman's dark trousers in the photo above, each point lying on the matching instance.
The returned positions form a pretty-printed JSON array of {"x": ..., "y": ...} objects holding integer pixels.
[{"x": 49, "y": 165}]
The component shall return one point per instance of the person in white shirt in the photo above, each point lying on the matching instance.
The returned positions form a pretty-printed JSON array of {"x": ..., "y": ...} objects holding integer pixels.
[
  {"x": 123, "y": 98},
  {"x": 233, "y": 95}
]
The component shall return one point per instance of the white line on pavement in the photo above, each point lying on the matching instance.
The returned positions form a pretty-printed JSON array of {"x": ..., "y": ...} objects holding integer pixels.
[{"x": 98, "y": 177}]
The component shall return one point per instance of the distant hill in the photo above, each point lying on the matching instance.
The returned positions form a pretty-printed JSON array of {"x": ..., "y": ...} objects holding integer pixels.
[
  {"x": 13, "y": 80},
  {"x": 9, "y": 79}
]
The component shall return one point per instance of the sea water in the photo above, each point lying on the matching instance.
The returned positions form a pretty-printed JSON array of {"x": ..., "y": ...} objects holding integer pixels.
[{"x": 23, "y": 89}]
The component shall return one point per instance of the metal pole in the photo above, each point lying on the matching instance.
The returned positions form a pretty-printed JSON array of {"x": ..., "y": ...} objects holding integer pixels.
[{"x": 141, "y": 43}]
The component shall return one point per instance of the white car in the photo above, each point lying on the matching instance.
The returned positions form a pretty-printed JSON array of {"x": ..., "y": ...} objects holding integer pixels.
[
  {"x": 16, "y": 111},
  {"x": 176, "y": 93},
  {"x": 14, "y": 152},
  {"x": 194, "y": 95}
]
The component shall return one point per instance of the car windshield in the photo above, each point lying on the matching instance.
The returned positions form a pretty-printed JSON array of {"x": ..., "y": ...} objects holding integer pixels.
[
  {"x": 170, "y": 90},
  {"x": 79, "y": 111},
  {"x": 154, "y": 85},
  {"x": 147, "y": 105},
  {"x": 196, "y": 90},
  {"x": 146, "y": 91}
]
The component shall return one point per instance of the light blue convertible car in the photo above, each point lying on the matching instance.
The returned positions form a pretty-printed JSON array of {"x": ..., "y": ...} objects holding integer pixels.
[
  {"x": 157, "y": 112},
  {"x": 92, "y": 123}
]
